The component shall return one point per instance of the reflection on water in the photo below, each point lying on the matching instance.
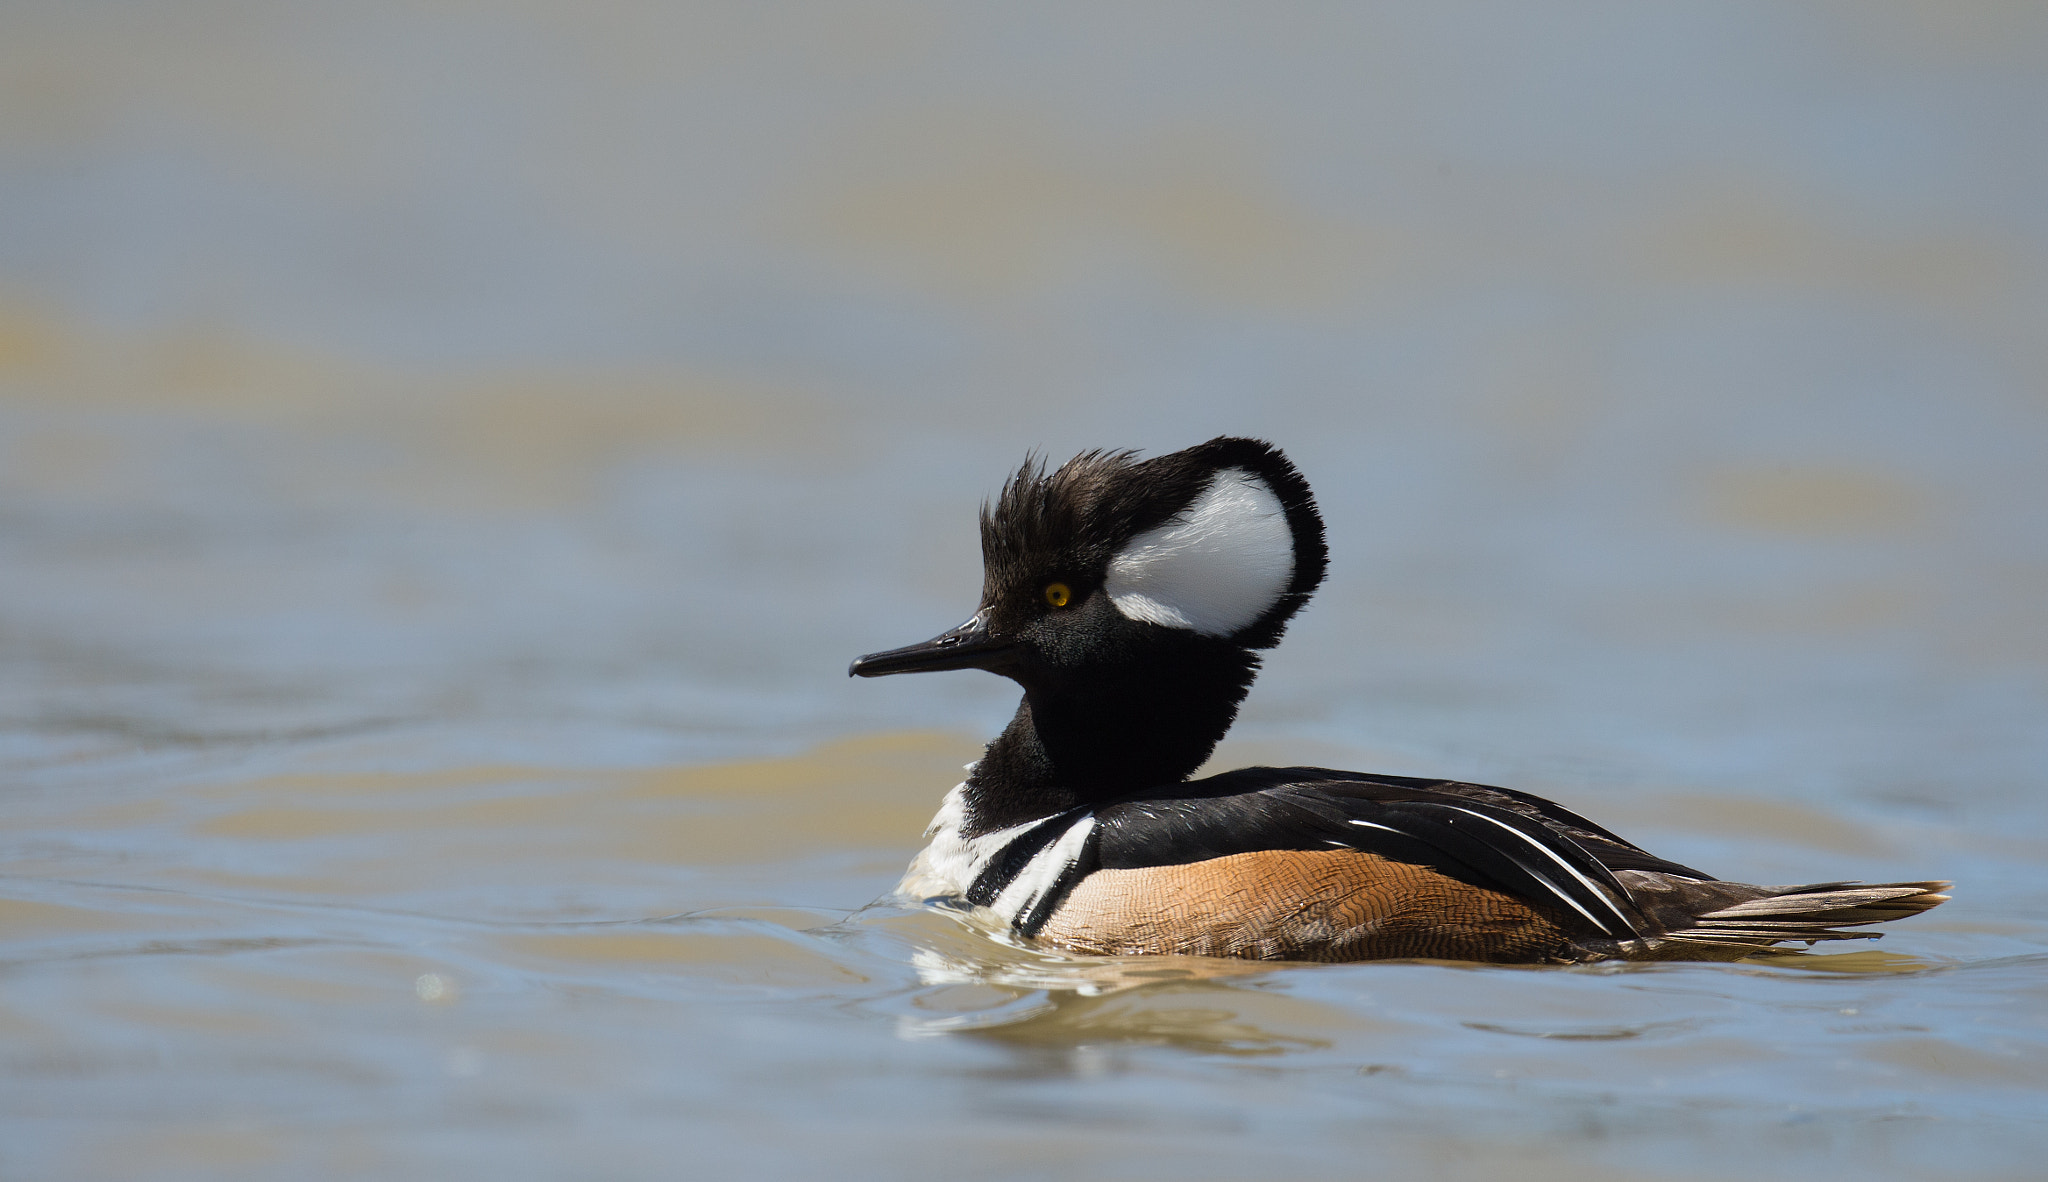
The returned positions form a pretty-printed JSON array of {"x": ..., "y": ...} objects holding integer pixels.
[{"x": 448, "y": 455}]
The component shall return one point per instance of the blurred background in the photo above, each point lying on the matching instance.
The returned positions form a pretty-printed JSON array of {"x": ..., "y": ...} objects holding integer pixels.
[
  {"x": 616, "y": 374},
  {"x": 420, "y": 389}
]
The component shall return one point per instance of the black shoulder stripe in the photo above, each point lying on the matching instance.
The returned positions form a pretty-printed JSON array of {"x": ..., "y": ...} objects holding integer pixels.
[
  {"x": 1003, "y": 869},
  {"x": 1042, "y": 908}
]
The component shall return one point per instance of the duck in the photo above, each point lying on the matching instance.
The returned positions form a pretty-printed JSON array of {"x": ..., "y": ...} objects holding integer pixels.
[{"x": 1131, "y": 599}]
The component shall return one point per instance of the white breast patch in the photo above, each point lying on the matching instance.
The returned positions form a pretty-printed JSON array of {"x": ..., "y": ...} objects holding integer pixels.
[
  {"x": 1215, "y": 567},
  {"x": 950, "y": 864}
]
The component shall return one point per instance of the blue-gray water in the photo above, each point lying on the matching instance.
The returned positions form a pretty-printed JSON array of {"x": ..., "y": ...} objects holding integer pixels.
[{"x": 448, "y": 454}]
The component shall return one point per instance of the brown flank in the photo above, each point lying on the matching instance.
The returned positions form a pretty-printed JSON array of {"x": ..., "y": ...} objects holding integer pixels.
[{"x": 1328, "y": 905}]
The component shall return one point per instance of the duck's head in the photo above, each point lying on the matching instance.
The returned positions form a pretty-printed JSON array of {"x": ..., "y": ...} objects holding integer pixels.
[{"x": 1113, "y": 577}]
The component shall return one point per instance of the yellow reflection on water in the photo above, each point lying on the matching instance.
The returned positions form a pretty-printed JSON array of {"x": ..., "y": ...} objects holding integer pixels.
[
  {"x": 370, "y": 834},
  {"x": 1816, "y": 501},
  {"x": 504, "y": 440},
  {"x": 730, "y": 958},
  {"x": 994, "y": 213},
  {"x": 1865, "y": 960}
]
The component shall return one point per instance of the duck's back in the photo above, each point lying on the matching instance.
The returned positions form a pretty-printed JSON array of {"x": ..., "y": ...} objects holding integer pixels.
[{"x": 1313, "y": 864}]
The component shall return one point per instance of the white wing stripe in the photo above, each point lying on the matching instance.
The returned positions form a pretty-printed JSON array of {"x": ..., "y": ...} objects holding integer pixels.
[
  {"x": 1568, "y": 868},
  {"x": 1568, "y": 900},
  {"x": 1374, "y": 825}
]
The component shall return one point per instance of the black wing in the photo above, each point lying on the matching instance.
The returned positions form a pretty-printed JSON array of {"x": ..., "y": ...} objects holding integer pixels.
[{"x": 1512, "y": 842}]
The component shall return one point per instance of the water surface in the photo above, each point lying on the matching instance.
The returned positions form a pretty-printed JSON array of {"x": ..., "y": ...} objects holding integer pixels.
[{"x": 448, "y": 456}]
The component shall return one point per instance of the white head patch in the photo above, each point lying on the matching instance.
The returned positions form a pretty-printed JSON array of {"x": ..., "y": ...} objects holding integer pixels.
[{"x": 1215, "y": 567}]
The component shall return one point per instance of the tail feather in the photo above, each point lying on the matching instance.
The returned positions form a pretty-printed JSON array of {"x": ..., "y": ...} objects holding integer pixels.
[{"x": 1811, "y": 913}]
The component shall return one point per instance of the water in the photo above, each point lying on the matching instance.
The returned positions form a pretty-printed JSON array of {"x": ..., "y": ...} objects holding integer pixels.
[{"x": 449, "y": 455}]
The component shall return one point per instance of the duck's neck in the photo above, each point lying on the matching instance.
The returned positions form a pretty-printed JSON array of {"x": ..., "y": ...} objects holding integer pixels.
[{"x": 1101, "y": 738}]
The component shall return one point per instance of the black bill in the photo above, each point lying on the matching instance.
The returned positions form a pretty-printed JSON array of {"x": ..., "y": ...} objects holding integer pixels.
[{"x": 969, "y": 646}]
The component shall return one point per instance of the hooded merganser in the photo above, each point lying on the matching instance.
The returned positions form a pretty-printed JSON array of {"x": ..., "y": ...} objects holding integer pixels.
[{"x": 1129, "y": 599}]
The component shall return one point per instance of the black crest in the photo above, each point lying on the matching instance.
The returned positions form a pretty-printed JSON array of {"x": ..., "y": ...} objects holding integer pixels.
[{"x": 1071, "y": 522}]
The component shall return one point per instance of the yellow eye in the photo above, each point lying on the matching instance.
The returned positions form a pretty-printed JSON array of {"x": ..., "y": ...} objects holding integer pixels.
[{"x": 1057, "y": 594}]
